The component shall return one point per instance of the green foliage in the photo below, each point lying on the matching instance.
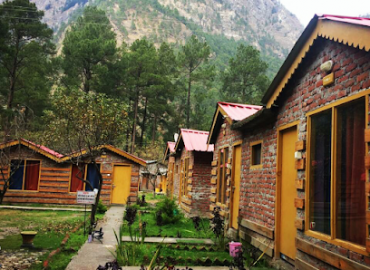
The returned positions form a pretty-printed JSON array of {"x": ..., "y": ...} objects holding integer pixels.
[
  {"x": 101, "y": 208},
  {"x": 25, "y": 47},
  {"x": 170, "y": 211},
  {"x": 88, "y": 49},
  {"x": 245, "y": 80}
]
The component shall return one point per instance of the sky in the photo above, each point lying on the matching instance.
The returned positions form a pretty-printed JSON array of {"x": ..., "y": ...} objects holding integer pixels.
[{"x": 305, "y": 9}]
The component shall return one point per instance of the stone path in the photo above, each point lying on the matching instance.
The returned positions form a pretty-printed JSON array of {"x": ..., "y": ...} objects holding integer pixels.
[
  {"x": 91, "y": 255},
  {"x": 183, "y": 267},
  {"x": 43, "y": 208},
  {"x": 169, "y": 240},
  {"x": 20, "y": 259}
]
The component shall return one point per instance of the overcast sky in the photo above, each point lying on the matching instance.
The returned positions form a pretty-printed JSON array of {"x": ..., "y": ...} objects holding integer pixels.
[{"x": 305, "y": 9}]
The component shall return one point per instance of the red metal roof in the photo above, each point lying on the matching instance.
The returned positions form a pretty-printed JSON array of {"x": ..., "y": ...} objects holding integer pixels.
[
  {"x": 238, "y": 112},
  {"x": 196, "y": 140},
  {"x": 44, "y": 148},
  {"x": 346, "y": 19},
  {"x": 171, "y": 146}
]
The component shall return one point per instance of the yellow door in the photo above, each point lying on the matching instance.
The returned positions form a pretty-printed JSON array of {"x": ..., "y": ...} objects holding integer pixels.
[
  {"x": 236, "y": 186},
  {"x": 121, "y": 184},
  {"x": 164, "y": 184},
  {"x": 288, "y": 193}
]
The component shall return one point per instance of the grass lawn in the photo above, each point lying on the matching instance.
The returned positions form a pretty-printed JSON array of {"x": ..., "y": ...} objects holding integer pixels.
[
  {"x": 51, "y": 226},
  {"x": 183, "y": 228}
]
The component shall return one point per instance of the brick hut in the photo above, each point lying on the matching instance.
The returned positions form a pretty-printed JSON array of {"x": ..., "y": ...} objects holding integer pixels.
[
  {"x": 307, "y": 202},
  {"x": 170, "y": 159},
  {"x": 225, "y": 182},
  {"x": 192, "y": 175},
  {"x": 45, "y": 176}
]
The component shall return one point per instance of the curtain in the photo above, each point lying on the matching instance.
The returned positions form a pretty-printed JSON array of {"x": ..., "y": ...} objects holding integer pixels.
[
  {"x": 32, "y": 175},
  {"x": 92, "y": 176},
  {"x": 352, "y": 218},
  {"x": 17, "y": 174},
  {"x": 78, "y": 172}
]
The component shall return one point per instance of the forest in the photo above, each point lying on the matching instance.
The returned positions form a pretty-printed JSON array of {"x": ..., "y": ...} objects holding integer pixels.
[{"x": 137, "y": 95}]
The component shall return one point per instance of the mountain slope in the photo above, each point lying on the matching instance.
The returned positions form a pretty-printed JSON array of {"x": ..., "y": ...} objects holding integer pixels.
[{"x": 265, "y": 24}]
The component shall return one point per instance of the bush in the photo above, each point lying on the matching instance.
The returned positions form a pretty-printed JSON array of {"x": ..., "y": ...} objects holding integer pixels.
[
  {"x": 101, "y": 208},
  {"x": 170, "y": 211}
]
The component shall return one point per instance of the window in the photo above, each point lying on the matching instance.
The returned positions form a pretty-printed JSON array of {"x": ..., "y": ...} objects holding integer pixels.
[
  {"x": 92, "y": 176},
  {"x": 77, "y": 175},
  {"x": 337, "y": 172},
  {"x": 222, "y": 170},
  {"x": 256, "y": 153},
  {"x": 25, "y": 174}
]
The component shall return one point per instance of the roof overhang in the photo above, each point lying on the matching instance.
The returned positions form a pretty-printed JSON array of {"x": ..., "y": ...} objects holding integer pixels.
[
  {"x": 262, "y": 117},
  {"x": 354, "y": 35},
  {"x": 218, "y": 118}
]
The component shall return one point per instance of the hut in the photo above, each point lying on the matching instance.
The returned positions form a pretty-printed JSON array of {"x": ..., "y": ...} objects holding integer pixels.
[
  {"x": 225, "y": 182},
  {"x": 41, "y": 175},
  {"x": 153, "y": 177},
  {"x": 307, "y": 202},
  {"x": 169, "y": 158},
  {"x": 192, "y": 176}
]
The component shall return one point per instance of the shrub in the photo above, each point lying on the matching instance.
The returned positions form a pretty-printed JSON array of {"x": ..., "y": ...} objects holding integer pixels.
[
  {"x": 170, "y": 211},
  {"x": 101, "y": 208}
]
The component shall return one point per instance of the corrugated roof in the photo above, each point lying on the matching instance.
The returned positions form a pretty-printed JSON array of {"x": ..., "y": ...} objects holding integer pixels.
[
  {"x": 171, "y": 146},
  {"x": 44, "y": 148},
  {"x": 346, "y": 19},
  {"x": 195, "y": 140},
  {"x": 237, "y": 111}
]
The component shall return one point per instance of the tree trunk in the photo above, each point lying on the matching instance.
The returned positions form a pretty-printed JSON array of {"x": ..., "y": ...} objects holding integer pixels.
[
  {"x": 97, "y": 198},
  {"x": 188, "y": 103},
  {"x": 88, "y": 77},
  {"x": 134, "y": 124},
  {"x": 144, "y": 121},
  {"x": 154, "y": 129}
]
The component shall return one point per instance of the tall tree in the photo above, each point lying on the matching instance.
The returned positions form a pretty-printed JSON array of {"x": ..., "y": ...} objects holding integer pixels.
[
  {"x": 88, "y": 48},
  {"x": 192, "y": 57},
  {"x": 245, "y": 80},
  {"x": 25, "y": 44},
  {"x": 141, "y": 76}
]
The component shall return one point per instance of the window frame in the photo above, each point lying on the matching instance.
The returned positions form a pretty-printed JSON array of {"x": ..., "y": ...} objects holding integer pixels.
[
  {"x": 221, "y": 176},
  {"x": 334, "y": 112},
  {"x": 70, "y": 179},
  {"x": 251, "y": 145},
  {"x": 24, "y": 175}
]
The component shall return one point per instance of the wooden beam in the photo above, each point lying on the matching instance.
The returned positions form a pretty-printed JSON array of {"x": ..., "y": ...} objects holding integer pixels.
[
  {"x": 368, "y": 245},
  {"x": 52, "y": 179},
  {"x": 43, "y": 169},
  {"x": 214, "y": 172},
  {"x": 213, "y": 180},
  {"x": 368, "y": 217},
  {"x": 213, "y": 199},
  {"x": 300, "y": 145},
  {"x": 53, "y": 185},
  {"x": 302, "y": 265},
  {"x": 56, "y": 190},
  {"x": 299, "y": 184},
  {"x": 367, "y": 162},
  {"x": 328, "y": 257},
  {"x": 214, "y": 163},
  {"x": 134, "y": 174},
  {"x": 299, "y": 203},
  {"x": 55, "y": 174},
  {"x": 256, "y": 243},
  {"x": 367, "y": 135},
  {"x": 269, "y": 233},
  {"x": 300, "y": 164},
  {"x": 213, "y": 190},
  {"x": 299, "y": 224},
  {"x": 367, "y": 187}
]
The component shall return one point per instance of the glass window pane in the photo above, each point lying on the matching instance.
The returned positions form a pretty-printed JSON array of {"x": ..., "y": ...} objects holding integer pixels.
[
  {"x": 16, "y": 172},
  {"x": 256, "y": 154},
  {"x": 350, "y": 173},
  {"x": 320, "y": 172}
]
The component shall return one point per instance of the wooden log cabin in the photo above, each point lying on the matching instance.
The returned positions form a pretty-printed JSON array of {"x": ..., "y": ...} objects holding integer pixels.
[
  {"x": 192, "y": 175},
  {"x": 306, "y": 199},
  {"x": 45, "y": 176}
]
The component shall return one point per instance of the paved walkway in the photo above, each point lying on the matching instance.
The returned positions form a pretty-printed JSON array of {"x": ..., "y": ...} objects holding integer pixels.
[
  {"x": 92, "y": 254},
  {"x": 88, "y": 209},
  {"x": 169, "y": 240}
]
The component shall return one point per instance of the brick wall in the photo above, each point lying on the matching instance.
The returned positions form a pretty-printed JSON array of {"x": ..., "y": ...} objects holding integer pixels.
[{"x": 302, "y": 94}]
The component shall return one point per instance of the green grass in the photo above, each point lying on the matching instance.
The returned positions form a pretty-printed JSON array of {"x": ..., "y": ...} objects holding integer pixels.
[
  {"x": 52, "y": 227},
  {"x": 185, "y": 227}
]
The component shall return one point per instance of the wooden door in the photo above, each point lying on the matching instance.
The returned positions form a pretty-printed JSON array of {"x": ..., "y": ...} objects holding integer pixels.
[
  {"x": 287, "y": 193},
  {"x": 121, "y": 184},
  {"x": 237, "y": 155}
]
